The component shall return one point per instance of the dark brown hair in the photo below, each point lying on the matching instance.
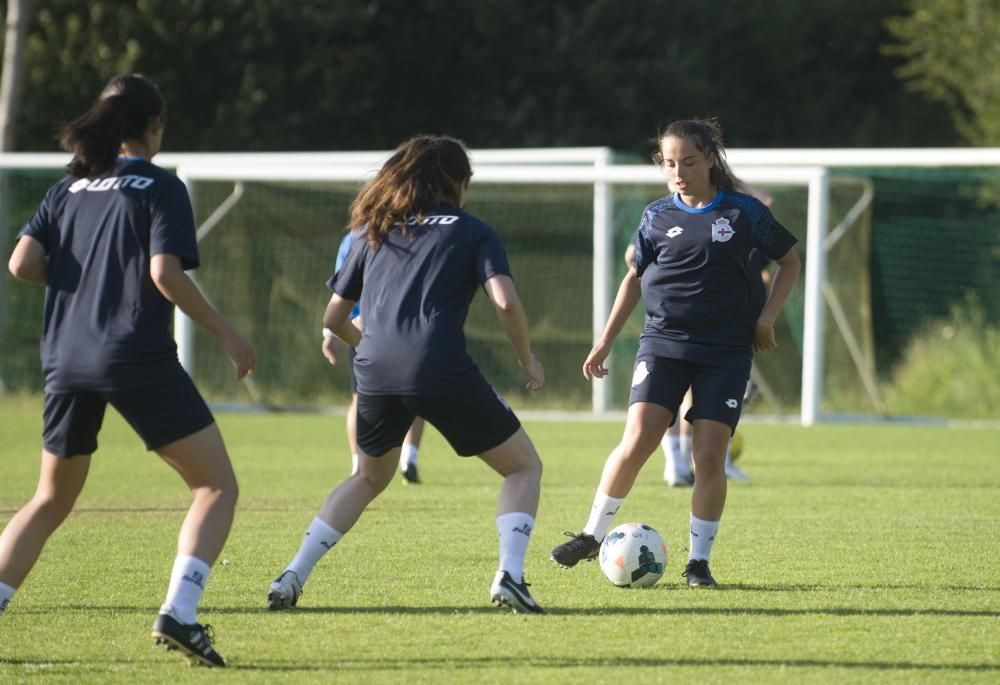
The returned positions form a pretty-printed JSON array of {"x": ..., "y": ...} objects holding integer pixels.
[
  {"x": 122, "y": 112},
  {"x": 706, "y": 134},
  {"x": 422, "y": 174}
]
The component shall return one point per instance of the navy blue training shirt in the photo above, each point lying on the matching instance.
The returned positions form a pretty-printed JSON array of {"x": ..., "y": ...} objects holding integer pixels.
[
  {"x": 415, "y": 292},
  {"x": 696, "y": 280},
  {"x": 106, "y": 325}
]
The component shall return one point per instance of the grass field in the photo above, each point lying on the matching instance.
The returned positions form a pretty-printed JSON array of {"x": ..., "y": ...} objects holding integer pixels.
[{"x": 862, "y": 553}]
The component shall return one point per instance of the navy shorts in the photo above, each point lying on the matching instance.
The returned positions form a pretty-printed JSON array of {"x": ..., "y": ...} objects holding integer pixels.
[
  {"x": 472, "y": 420},
  {"x": 717, "y": 391},
  {"x": 160, "y": 413}
]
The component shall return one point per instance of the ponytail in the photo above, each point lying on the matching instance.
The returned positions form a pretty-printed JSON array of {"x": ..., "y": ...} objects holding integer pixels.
[{"x": 122, "y": 112}]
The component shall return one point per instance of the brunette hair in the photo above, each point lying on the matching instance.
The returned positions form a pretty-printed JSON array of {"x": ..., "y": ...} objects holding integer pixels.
[
  {"x": 423, "y": 173},
  {"x": 706, "y": 134},
  {"x": 122, "y": 112}
]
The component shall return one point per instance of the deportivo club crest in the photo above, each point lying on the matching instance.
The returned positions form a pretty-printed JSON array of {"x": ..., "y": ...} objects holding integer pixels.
[{"x": 722, "y": 231}]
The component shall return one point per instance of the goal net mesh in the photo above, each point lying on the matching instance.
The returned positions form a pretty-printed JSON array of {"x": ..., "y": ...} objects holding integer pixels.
[{"x": 925, "y": 243}]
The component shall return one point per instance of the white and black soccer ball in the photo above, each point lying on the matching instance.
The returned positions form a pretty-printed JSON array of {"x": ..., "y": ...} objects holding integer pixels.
[{"x": 633, "y": 555}]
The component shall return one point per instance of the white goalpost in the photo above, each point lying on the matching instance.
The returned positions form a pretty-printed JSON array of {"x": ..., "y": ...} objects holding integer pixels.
[
  {"x": 601, "y": 175},
  {"x": 593, "y": 170}
]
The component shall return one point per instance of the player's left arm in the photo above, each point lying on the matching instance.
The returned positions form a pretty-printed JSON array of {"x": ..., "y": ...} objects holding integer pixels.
[
  {"x": 784, "y": 279},
  {"x": 29, "y": 261},
  {"x": 337, "y": 318}
]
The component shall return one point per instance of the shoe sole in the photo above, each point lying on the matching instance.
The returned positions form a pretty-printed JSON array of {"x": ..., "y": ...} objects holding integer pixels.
[
  {"x": 506, "y": 600},
  {"x": 562, "y": 565},
  {"x": 280, "y": 602},
  {"x": 162, "y": 639},
  {"x": 698, "y": 586}
]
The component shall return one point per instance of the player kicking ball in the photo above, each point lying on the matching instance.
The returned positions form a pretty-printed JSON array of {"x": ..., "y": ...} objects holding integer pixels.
[{"x": 689, "y": 268}]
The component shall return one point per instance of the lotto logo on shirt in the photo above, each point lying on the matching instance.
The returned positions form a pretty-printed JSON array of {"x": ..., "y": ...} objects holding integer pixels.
[
  {"x": 432, "y": 219},
  {"x": 722, "y": 231},
  {"x": 97, "y": 185}
]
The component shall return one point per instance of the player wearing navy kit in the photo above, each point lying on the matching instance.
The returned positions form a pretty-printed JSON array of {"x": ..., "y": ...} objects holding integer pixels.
[
  {"x": 420, "y": 262},
  {"x": 691, "y": 270},
  {"x": 111, "y": 243},
  {"x": 331, "y": 350}
]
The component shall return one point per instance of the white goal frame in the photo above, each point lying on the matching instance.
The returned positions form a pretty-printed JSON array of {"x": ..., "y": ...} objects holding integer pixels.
[
  {"x": 581, "y": 166},
  {"x": 601, "y": 175}
]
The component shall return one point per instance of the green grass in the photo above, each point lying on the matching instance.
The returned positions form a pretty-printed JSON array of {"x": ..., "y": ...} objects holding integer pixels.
[{"x": 858, "y": 554}]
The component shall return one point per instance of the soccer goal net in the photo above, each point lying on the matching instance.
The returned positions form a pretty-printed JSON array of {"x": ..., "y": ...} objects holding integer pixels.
[{"x": 899, "y": 246}]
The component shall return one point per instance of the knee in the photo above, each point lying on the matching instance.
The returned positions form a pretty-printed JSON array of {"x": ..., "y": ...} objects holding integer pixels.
[
  {"x": 709, "y": 468},
  {"x": 53, "y": 505},
  {"x": 226, "y": 492},
  {"x": 635, "y": 450},
  {"x": 529, "y": 464},
  {"x": 375, "y": 482}
]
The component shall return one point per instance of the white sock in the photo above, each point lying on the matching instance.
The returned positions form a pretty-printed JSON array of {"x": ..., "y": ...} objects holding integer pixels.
[
  {"x": 318, "y": 540},
  {"x": 671, "y": 445},
  {"x": 602, "y": 513},
  {"x": 515, "y": 533},
  {"x": 354, "y": 463},
  {"x": 187, "y": 583},
  {"x": 702, "y": 536},
  {"x": 684, "y": 454},
  {"x": 408, "y": 455},
  {"x": 6, "y": 594}
]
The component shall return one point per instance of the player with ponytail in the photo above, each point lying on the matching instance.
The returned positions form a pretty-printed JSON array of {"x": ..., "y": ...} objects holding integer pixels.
[
  {"x": 690, "y": 268},
  {"x": 111, "y": 243}
]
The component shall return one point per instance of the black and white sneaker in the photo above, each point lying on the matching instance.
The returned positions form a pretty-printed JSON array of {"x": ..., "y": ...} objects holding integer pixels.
[
  {"x": 193, "y": 640},
  {"x": 582, "y": 547},
  {"x": 697, "y": 573},
  {"x": 505, "y": 592},
  {"x": 284, "y": 592},
  {"x": 410, "y": 474}
]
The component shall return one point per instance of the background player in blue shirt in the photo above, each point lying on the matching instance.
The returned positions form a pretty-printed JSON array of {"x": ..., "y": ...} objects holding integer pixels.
[
  {"x": 411, "y": 443},
  {"x": 111, "y": 242},
  {"x": 415, "y": 272},
  {"x": 691, "y": 269}
]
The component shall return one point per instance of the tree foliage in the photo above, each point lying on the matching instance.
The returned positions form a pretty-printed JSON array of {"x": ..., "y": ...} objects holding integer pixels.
[
  {"x": 314, "y": 74},
  {"x": 952, "y": 53}
]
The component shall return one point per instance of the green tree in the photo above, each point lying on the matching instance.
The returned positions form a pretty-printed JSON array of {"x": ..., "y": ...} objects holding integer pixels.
[
  {"x": 952, "y": 53},
  {"x": 315, "y": 74}
]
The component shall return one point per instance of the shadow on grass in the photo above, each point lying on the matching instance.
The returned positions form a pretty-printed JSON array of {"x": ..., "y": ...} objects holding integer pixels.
[
  {"x": 808, "y": 587},
  {"x": 342, "y": 664},
  {"x": 623, "y": 662},
  {"x": 557, "y": 611}
]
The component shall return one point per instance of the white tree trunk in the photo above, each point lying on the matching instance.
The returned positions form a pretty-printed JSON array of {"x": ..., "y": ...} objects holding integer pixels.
[{"x": 16, "y": 32}]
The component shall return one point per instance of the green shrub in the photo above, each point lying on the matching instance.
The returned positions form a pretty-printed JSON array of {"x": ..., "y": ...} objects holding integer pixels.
[{"x": 951, "y": 368}]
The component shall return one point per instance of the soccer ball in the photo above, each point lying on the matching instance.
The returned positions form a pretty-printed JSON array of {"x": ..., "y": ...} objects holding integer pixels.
[
  {"x": 633, "y": 555},
  {"x": 736, "y": 446}
]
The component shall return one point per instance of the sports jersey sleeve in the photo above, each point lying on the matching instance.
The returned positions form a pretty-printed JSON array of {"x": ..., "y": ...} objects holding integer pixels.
[
  {"x": 343, "y": 251},
  {"x": 350, "y": 277},
  {"x": 171, "y": 229},
  {"x": 491, "y": 258},
  {"x": 645, "y": 252},
  {"x": 38, "y": 225},
  {"x": 767, "y": 233}
]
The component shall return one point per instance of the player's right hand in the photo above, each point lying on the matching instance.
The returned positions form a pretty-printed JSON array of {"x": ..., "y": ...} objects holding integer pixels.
[
  {"x": 240, "y": 352},
  {"x": 535, "y": 372},
  {"x": 594, "y": 367},
  {"x": 331, "y": 348}
]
